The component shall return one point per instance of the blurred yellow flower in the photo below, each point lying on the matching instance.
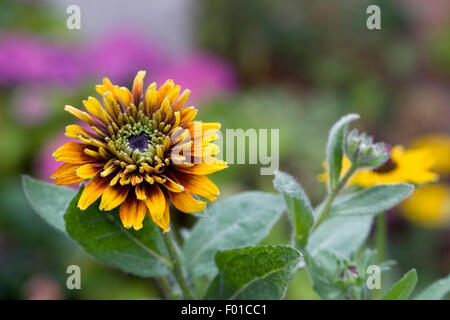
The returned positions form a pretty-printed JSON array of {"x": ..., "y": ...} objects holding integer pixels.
[
  {"x": 439, "y": 146},
  {"x": 412, "y": 166},
  {"x": 429, "y": 205}
]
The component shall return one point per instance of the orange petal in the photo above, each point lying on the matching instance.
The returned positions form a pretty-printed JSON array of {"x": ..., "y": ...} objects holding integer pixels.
[
  {"x": 138, "y": 84},
  {"x": 199, "y": 185},
  {"x": 199, "y": 126},
  {"x": 73, "y": 152},
  {"x": 83, "y": 116},
  {"x": 164, "y": 222},
  {"x": 151, "y": 98},
  {"x": 185, "y": 202},
  {"x": 164, "y": 90},
  {"x": 132, "y": 212},
  {"x": 93, "y": 191},
  {"x": 66, "y": 174},
  {"x": 113, "y": 196},
  {"x": 88, "y": 171},
  {"x": 181, "y": 100},
  {"x": 94, "y": 107},
  {"x": 171, "y": 185},
  {"x": 139, "y": 190},
  {"x": 188, "y": 114},
  {"x": 204, "y": 168},
  {"x": 155, "y": 201},
  {"x": 74, "y": 131},
  {"x": 68, "y": 180},
  {"x": 123, "y": 94},
  {"x": 107, "y": 86},
  {"x": 64, "y": 169}
]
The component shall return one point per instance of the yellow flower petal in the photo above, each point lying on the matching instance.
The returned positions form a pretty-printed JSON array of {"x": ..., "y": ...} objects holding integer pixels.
[
  {"x": 92, "y": 191},
  {"x": 132, "y": 213},
  {"x": 138, "y": 85},
  {"x": 164, "y": 222},
  {"x": 185, "y": 202},
  {"x": 204, "y": 168},
  {"x": 73, "y": 152},
  {"x": 113, "y": 196},
  {"x": 83, "y": 116},
  {"x": 199, "y": 185},
  {"x": 188, "y": 114},
  {"x": 155, "y": 201},
  {"x": 88, "y": 171},
  {"x": 66, "y": 174}
]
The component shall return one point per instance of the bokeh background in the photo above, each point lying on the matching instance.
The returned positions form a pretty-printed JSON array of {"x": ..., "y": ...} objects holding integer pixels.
[{"x": 293, "y": 65}]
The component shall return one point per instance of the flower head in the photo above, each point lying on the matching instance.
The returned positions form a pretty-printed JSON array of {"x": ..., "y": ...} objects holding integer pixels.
[
  {"x": 361, "y": 150},
  {"x": 429, "y": 206},
  {"x": 142, "y": 149},
  {"x": 408, "y": 166},
  {"x": 439, "y": 146}
]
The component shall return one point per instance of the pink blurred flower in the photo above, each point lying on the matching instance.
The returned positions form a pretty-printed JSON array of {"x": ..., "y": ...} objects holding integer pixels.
[
  {"x": 44, "y": 163},
  {"x": 29, "y": 105},
  {"x": 121, "y": 54},
  {"x": 28, "y": 60},
  {"x": 25, "y": 59},
  {"x": 205, "y": 74}
]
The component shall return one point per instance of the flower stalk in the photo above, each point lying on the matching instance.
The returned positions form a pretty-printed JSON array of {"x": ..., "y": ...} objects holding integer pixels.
[
  {"x": 178, "y": 271},
  {"x": 332, "y": 195}
]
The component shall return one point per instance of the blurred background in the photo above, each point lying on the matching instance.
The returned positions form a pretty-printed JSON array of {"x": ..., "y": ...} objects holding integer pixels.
[{"x": 293, "y": 65}]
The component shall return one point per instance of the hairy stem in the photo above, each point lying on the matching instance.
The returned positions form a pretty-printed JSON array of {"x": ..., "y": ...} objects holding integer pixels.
[
  {"x": 332, "y": 195},
  {"x": 178, "y": 271},
  {"x": 380, "y": 244},
  {"x": 162, "y": 287}
]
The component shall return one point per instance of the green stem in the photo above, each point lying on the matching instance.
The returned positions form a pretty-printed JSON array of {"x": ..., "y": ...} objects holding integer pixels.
[
  {"x": 162, "y": 288},
  {"x": 380, "y": 244},
  {"x": 178, "y": 272},
  {"x": 380, "y": 237},
  {"x": 332, "y": 195}
]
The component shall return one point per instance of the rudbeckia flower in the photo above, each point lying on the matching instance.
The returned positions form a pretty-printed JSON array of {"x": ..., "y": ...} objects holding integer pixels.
[
  {"x": 409, "y": 166},
  {"x": 439, "y": 146},
  {"x": 140, "y": 151},
  {"x": 429, "y": 206}
]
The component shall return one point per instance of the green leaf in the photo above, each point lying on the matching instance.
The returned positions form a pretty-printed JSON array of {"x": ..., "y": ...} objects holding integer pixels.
[
  {"x": 298, "y": 205},
  {"x": 48, "y": 200},
  {"x": 403, "y": 287},
  {"x": 240, "y": 220},
  {"x": 335, "y": 148},
  {"x": 142, "y": 253},
  {"x": 342, "y": 235},
  {"x": 256, "y": 273},
  {"x": 323, "y": 270},
  {"x": 436, "y": 291},
  {"x": 371, "y": 200}
]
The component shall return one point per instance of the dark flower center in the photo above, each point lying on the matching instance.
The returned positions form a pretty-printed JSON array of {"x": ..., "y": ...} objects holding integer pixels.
[
  {"x": 139, "y": 142},
  {"x": 388, "y": 166}
]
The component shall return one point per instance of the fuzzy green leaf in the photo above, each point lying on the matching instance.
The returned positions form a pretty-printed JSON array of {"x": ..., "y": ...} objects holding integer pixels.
[
  {"x": 256, "y": 273},
  {"x": 48, "y": 200},
  {"x": 342, "y": 235},
  {"x": 240, "y": 220},
  {"x": 436, "y": 291},
  {"x": 323, "y": 270},
  {"x": 335, "y": 148},
  {"x": 403, "y": 287},
  {"x": 101, "y": 234},
  {"x": 371, "y": 200},
  {"x": 298, "y": 206}
]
